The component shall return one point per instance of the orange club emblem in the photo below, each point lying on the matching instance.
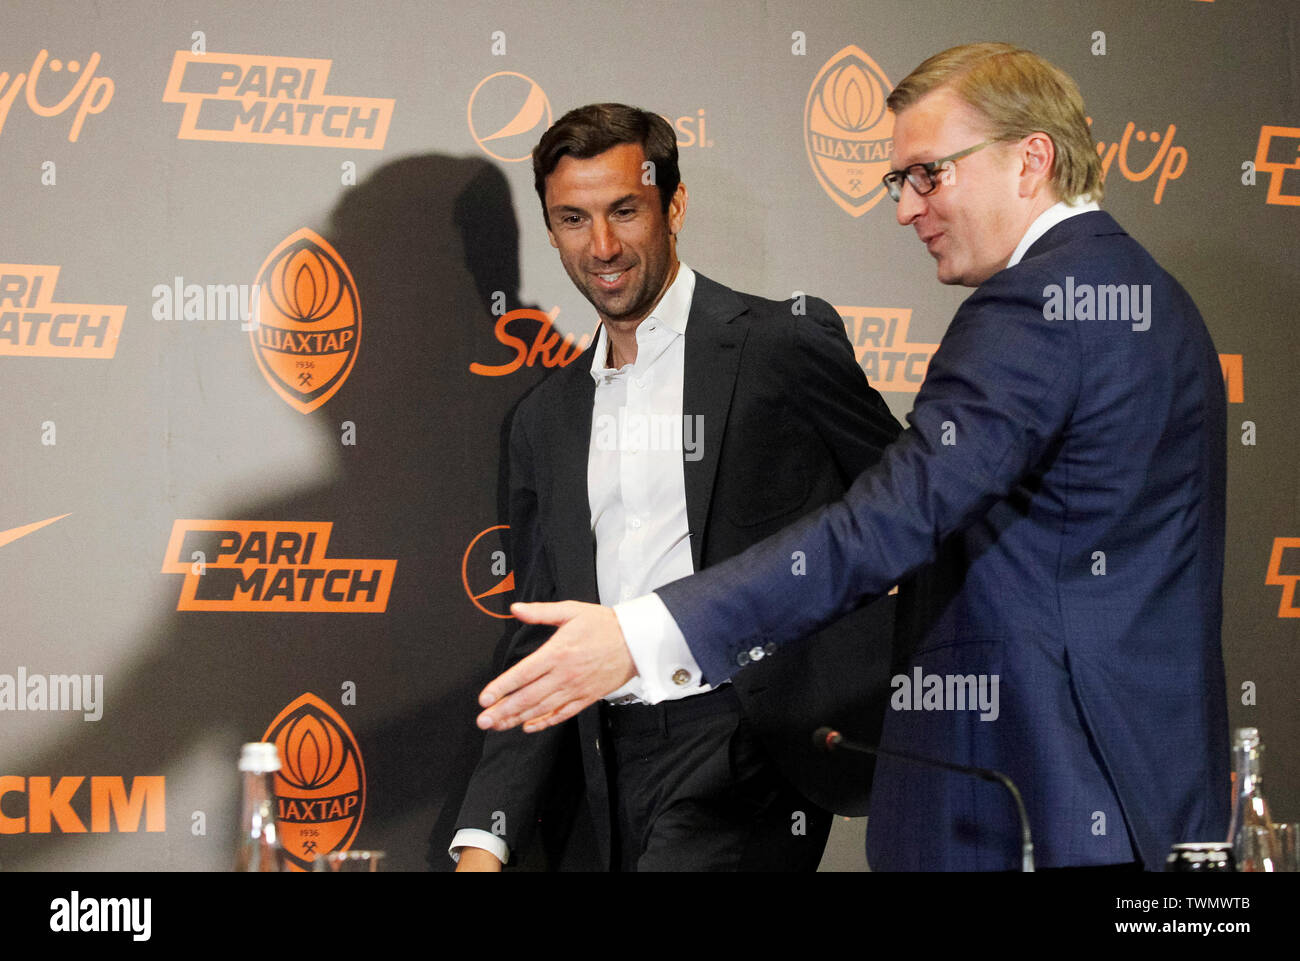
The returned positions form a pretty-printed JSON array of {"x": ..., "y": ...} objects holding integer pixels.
[
  {"x": 307, "y": 328},
  {"x": 321, "y": 785}
]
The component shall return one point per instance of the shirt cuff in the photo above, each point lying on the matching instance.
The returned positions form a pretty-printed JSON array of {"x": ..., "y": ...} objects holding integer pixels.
[
  {"x": 659, "y": 650},
  {"x": 474, "y": 838}
]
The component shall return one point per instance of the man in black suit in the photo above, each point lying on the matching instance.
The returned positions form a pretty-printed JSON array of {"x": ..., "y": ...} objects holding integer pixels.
[{"x": 699, "y": 422}]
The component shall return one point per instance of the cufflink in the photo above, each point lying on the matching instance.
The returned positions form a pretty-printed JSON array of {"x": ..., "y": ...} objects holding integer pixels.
[{"x": 681, "y": 676}]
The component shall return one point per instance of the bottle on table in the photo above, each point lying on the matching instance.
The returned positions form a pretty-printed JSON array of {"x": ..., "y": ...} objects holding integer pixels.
[
  {"x": 259, "y": 835},
  {"x": 1254, "y": 839}
]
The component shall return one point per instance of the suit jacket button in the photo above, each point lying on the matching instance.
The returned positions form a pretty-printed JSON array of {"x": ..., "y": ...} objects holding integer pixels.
[
  {"x": 597, "y": 745},
  {"x": 681, "y": 676},
  {"x": 769, "y": 648},
  {"x": 742, "y": 658},
  {"x": 755, "y": 653}
]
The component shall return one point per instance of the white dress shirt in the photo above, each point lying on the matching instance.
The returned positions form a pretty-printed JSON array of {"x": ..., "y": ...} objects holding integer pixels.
[
  {"x": 636, "y": 491},
  {"x": 646, "y": 623},
  {"x": 636, "y": 485}
]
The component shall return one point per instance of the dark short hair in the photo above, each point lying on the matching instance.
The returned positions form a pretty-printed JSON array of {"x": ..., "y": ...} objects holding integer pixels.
[{"x": 589, "y": 131}]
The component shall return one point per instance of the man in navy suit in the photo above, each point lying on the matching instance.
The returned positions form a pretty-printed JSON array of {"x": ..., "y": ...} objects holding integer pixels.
[{"x": 1059, "y": 497}]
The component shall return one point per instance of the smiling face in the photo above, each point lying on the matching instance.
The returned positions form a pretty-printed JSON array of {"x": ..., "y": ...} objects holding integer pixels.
[
  {"x": 617, "y": 244},
  {"x": 972, "y": 222}
]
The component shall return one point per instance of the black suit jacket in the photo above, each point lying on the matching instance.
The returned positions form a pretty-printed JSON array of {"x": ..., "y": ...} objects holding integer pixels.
[{"x": 788, "y": 422}]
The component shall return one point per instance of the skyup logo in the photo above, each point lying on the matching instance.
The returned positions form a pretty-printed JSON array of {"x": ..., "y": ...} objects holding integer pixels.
[
  {"x": 111, "y": 804},
  {"x": 507, "y": 113},
  {"x": 34, "y": 324},
  {"x": 308, "y": 325},
  {"x": 85, "y": 96},
  {"x": 549, "y": 348},
  {"x": 320, "y": 788},
  {"x": 278, "y": 100},
  {"x": 272, "y": 567},
  {"x": 848, "y": 131},
  {"x": 485, "y": 573}
]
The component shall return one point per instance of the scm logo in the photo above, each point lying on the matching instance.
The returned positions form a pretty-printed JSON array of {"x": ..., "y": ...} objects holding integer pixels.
[
  {"x": 111, "y": 804},
  {"x": 272, "y": 567},
  {"x": 1234, "y": 377},
  {"x": 321, "y": 785}
]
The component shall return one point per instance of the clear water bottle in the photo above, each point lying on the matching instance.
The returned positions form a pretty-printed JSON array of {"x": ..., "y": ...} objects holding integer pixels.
[
  {"x": 1254, "y": 839},
  {"x": 259, "y": 835}
]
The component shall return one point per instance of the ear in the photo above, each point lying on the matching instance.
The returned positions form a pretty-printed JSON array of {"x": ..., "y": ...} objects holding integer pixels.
[
  {"x": 677, "y": 209},
  {"x": 1037, "y": 155}
]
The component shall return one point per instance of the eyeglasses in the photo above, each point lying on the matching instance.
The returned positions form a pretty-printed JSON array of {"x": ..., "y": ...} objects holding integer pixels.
[{"x": 922, "y": 176}]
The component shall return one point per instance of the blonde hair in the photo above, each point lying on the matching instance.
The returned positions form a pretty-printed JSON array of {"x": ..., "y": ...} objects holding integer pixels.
[{"x": 1018, "y": 93}]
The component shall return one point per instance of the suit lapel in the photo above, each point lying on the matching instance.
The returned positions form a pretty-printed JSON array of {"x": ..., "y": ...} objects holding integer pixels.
[
  {"x": 1094, "y": 222},
  {"x": 713, "y": 348},
  {"x": 575, "y": 546}
]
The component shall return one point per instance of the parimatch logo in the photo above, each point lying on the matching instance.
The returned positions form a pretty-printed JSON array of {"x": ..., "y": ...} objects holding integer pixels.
[
  {"x": 275, "y": 100},
  {"x": 890, "y": 360},
  {"x": 34, "y": 324},
  {"x": 308, "y": 320},
  {"x": 272, "y": 567},
  {"x": 848, "y": 131},
  {"x": 321, "y": 785}
]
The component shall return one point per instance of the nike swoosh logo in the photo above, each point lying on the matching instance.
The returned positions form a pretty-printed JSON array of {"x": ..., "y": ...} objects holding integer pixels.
[{"x": 16, "y": 532}]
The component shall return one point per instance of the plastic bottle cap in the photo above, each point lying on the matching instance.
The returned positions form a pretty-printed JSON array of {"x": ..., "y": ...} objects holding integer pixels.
[
  {"x": 1248, "y": 734},
  {"x": 259, "y": 758}
]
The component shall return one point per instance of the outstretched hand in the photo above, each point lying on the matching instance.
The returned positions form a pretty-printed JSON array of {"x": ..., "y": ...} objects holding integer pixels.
[{"x": 583, "y": 661}]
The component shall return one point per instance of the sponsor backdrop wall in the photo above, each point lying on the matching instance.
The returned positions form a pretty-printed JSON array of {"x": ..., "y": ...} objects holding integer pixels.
[{"x": 272, "y": 277}]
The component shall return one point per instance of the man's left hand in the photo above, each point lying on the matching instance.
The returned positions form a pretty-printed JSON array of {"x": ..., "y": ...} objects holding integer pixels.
[{"x": 583, "y": 661}]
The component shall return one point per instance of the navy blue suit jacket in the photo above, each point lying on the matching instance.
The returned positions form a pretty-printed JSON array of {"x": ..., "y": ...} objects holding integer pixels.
[{"x": 1059, "y": 498}]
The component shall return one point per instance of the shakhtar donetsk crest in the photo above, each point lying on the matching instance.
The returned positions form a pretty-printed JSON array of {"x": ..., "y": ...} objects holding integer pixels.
[
  {"x": 321, "y": 785},
  {"x": 848, "y": 130},
  {"x": 308, "y": 322}
]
